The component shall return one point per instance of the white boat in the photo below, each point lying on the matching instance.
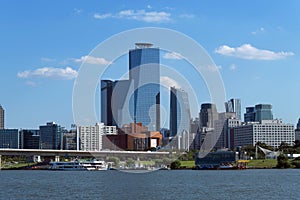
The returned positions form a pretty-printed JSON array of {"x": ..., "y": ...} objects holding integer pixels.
[
  {"x": 95, "y": 165},
  {"x": 67, "y": 166},
  {"x": 88, "y": 165}
]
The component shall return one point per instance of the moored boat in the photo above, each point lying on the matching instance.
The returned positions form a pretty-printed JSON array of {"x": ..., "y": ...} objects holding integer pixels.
[{"x": 87, "y": 165}]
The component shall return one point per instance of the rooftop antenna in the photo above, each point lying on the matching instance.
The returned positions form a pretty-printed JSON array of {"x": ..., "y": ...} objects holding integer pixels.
[{"x": 142, "y": 45}]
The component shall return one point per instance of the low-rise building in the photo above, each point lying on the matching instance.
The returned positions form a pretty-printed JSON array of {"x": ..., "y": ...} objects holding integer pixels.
[
  {"x": 9, "y": 138},
  {"x": 270, "y": 132}
]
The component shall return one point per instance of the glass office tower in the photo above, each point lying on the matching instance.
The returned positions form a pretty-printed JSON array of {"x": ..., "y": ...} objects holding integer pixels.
[
  {"x": 234, "y": 105},
  {"x": 145, "y": 74},
  {"x": 179, "y": 112}
]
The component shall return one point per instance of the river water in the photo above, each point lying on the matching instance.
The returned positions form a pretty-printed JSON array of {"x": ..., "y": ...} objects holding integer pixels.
[{"x": 164, "y": 184}]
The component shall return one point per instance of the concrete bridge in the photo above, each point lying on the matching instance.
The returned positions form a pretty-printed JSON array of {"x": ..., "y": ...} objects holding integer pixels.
[{"x": 78, "y": 153}]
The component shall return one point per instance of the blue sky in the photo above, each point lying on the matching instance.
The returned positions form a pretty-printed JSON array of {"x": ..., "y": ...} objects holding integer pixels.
[{"x": 255, "y": 44}]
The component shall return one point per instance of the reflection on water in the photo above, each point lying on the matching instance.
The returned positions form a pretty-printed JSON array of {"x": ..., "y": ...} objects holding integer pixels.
[{"x": 166, "y": 184}]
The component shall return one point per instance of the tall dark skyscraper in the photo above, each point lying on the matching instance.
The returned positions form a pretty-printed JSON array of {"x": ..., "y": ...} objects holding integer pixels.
[
  {"x": 234, "y": 106},
  {"x": 51, "y": 136},
  {"x": 258, "y": 113},
  {"x": 298, "y": 124},
  {"x": 29, "y": 139},
  {"x": 106, "y": 99},
  {"x": 113, "y": 101},
  {"x": 249, "y": 116},
  {"x": 179, "y": 112},
  {"x": 144, "y": 72},
  {"x": 208, "y": 114},
  {"x": 1, "y": 117}
]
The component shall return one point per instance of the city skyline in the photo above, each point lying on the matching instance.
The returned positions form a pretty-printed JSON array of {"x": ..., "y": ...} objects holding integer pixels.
[{"x": 39, "y": 83}]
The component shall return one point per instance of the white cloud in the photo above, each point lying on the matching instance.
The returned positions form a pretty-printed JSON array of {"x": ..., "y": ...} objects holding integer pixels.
[
  {"x": 104, "y": 16},
  {"x": 50, "y": 72},
  {"x": 139, "y": 15},
  {"x": 172, "y": 55},
  {"x": 232, "y": 67},
  {"x": 169, "y": 82},
  {"x": 93, "y": 60},
  {"x": 247, "y": 51}
]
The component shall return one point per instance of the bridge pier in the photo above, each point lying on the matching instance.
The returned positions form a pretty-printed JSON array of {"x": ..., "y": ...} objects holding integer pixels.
[{"x": 57, "y": 158}]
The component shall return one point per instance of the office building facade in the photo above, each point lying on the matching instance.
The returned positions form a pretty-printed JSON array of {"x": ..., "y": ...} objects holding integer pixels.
[
  {"x": 90, "y": 137},
  {"x": 258, "y": 113},
  {"x": 208, "y": 114},
  {"x": 29, "y": 139},
  {"x": 270, "y": 132},
  {"x": 263, "y": 112},
  {"x": 51, "y": 136},
  {"x": 249, "y": 116},
  {"x": 9, "y": 138},
  {"x": 145, "y": 73},
  {"x": 180, "y": 117},
  {"x": 2, "y": 112},
  {"x": 234, "y": 106}
]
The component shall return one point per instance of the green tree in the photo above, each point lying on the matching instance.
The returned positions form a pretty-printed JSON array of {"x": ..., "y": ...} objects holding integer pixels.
[
  {"x": 115, "y": 160},
  {"x": 130, "y": 162},
  {"x": 175, "y": 165},
  {"x": 283, "y": 161}
]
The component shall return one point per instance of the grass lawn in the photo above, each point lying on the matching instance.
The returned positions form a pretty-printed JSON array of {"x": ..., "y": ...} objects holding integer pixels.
[
  {"x": 187, "y": 164},
  {"x": 18, "y": 165},
  {"x": 268, "y": 163}
]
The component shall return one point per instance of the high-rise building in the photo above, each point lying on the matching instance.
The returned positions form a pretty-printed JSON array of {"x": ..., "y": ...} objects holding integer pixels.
[
  {"x": 9, "y": 138},
  {"x": 270, "y": 132},
  {"x": 258, "y": 113},
  {"x": 298, "y": 124},
  {"x": 249, "y": 116},
  {"x": 106, "y": 100},
  {"x": 180, "y": 117},
  {"x": 90, "y": 137},
  {"x": 263, "y": 112},
  {"x": 51, "y": 136},
  {"x": 297, "y": 131},
  {"x": 1, "y": 117},
  {"x": 145, "y": 74},
  {"x": 115, "y": 107},
  {"x": 29, "y": 139},
  {"x": 208, "y": 114},
  {"x": 234, "y": 106}
]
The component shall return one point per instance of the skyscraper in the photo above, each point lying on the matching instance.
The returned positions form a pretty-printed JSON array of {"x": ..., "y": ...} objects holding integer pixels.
[
  {"x": 106, "y": 95},
  {"x": 180, "y": 117},
  {"x": 113, "y": 101},
  {"x": 179, "y": 111},
  {"x": 208, "y": 114},
  {"x": 234, "y": 105},
  {"x": 9, "y": 138},
  {"x": 1, "y": 117},
  {"x": 51, "y": 136},
  {"x": 263, "y": 112},
  {"x": 249, "y": 116},
  {"x": 258, "y": 113},
  {"x": 145, "y": 74},
  {"x": 298, "y": 124}
]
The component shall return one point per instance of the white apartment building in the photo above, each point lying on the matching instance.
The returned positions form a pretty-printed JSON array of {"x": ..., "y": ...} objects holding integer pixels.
[
  {"x": 271, "y": 132},
  {"x": 90, "y": 137}
]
